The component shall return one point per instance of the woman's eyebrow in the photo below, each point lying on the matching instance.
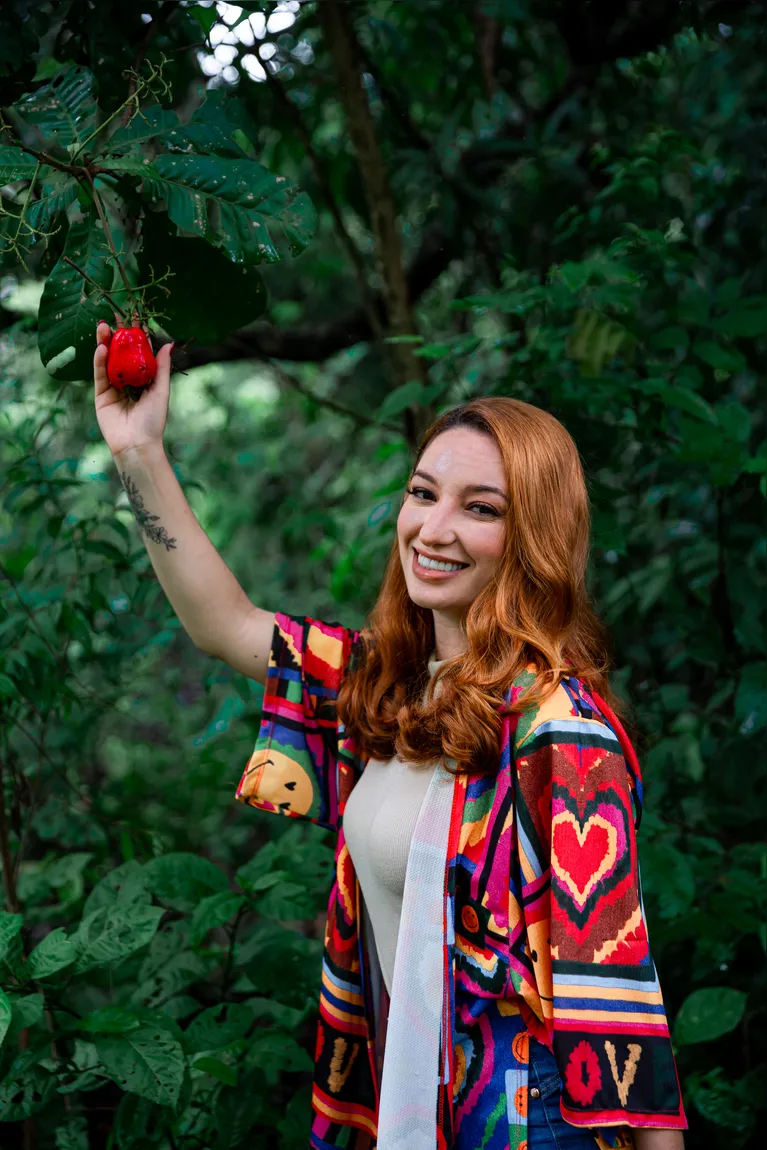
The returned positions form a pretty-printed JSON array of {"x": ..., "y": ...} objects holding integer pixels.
[{"x": 469, "y": 487}]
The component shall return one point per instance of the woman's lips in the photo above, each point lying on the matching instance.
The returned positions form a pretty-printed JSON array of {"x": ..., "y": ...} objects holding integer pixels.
[{"x": 430, "y": 576}]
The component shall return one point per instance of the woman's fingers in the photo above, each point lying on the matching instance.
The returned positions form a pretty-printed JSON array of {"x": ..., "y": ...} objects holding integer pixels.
[{"x": 100, "y": 378}]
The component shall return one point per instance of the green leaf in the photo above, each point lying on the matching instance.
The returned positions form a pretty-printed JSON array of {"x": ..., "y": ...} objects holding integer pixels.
[
  {"x": 151, "y": 121},
  {"x": 6, "y": 1011},
  {"x": 205, "y": 17},
  {"x": 230, "y": 203},
  {"x": 220, "y": 1070},
  {"x": 123, "y": 885},
  {"x": 110, "y": 935},
  {"x": 212, "y": 911},
  {"x": 73, "y": 1136},
  {"x": 236, "y": 293},
  {"x": 109, "y": 1020},
  {"x": 59, "y": 190},
  {"x": 408, "y": 395},
  {"x": 62, "y": 112},
  {"x": 10, "y": 925},
  {"x": 708, "y": 1014},
  {"x": 681, "y": 398},
  {"x": 147, "y": 1061},
  {"x": 26, "y": 1089},
  {"x": 217, "y": 1027},
  {"x": 55, "y": 952},
  {"x": 16, "y": 164},
  {"x": 181, "y": 880},
  {"x": 747, "y": 320},
  {"x": 69, "y": 311},
  {"x": 669, "y": 877},
  {"x": 718, "y": 356},
  {"x": 670, "y": 338},
  {"x": 27, "y": 1010}
]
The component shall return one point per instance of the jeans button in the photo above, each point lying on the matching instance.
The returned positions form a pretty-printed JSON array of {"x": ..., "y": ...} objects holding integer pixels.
[{"x": 535, "y": 1092}]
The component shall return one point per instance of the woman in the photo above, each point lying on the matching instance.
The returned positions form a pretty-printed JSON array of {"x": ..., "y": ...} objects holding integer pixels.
[{"x": 483, "y": 794}]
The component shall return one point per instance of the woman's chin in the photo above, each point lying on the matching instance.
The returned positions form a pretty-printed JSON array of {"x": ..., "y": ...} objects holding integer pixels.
[{"x": 436, "y": 598}]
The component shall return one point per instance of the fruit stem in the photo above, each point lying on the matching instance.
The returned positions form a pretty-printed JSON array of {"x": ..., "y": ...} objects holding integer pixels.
[{"x": 85, "y": 276}]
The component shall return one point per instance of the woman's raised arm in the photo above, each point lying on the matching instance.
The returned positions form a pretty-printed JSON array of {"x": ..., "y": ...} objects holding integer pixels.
[{"x": 208, "y": 600}]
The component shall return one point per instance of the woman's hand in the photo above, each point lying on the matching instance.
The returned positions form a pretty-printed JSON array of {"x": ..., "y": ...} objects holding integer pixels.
[{"x": 125, "y": 424}]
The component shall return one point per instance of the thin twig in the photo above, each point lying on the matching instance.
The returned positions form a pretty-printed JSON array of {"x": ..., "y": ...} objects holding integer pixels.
[
  {"x": 154, "y": 27},
  {"x": 108, "y": 234},
  {"x": 93, "y": 282},
  {"x": 332, "y": 404}
]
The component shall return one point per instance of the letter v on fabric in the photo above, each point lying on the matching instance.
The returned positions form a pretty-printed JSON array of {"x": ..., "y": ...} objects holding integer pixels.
[{"x": 522, "y": 916}]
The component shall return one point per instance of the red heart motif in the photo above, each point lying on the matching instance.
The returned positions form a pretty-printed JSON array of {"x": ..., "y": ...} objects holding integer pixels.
[{"x": 581, "y": 857}]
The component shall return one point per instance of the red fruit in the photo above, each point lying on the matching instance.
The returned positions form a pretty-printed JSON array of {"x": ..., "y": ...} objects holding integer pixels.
[{"x": 130, "y": 361}]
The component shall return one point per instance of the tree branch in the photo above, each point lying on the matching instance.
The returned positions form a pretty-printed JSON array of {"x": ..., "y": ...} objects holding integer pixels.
[
  {"x": 347, "y": 243},
  {"x": 340, "y": 37}
]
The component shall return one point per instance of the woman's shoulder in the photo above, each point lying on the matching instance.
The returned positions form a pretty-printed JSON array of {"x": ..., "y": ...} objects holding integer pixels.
[{"x": 567, "y": 714}]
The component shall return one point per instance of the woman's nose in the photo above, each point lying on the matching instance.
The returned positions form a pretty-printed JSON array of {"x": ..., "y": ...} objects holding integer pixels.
[{"x": 437, "y": 526}]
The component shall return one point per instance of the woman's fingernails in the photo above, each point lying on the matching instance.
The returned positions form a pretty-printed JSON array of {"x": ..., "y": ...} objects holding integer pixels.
[{"x": 171, "y": 347}]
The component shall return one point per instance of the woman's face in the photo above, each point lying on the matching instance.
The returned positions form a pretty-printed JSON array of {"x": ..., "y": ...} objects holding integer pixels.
[{"x": 454, "y": 513}]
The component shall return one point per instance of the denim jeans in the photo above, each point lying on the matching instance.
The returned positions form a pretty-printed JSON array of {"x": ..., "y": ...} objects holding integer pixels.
[{"x": 546, "y": 1128}]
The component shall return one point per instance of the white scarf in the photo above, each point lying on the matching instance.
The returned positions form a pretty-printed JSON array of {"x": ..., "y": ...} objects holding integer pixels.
[{"x": 407, "y": 1114}]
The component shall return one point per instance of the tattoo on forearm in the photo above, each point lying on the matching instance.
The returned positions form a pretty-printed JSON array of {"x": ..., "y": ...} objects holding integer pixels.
[{"x": 145, "y": 521}]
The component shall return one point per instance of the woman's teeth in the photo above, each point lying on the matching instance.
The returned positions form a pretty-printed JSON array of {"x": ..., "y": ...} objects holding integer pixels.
[{"x": 434, "y": 565}]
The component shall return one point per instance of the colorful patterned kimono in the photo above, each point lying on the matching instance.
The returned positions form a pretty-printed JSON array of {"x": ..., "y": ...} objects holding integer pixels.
[{"x": 539, "y": 927}]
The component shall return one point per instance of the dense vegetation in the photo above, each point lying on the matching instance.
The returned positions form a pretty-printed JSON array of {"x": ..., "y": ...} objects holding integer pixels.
[{"x": 560, "y": 201}]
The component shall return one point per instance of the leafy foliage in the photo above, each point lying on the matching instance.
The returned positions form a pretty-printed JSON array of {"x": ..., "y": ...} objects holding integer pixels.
[{"x": 582, "y": 228}]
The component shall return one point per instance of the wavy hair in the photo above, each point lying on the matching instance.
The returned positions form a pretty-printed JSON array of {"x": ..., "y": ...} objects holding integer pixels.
[{"x": 534, "y": 613}]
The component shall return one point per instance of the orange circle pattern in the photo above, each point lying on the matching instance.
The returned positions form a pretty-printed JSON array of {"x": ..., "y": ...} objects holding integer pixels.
[
  {"x": 469, "y": 919},
  {"x": 520, "y": 1047},
  {"x": 520, "y": 1101}
]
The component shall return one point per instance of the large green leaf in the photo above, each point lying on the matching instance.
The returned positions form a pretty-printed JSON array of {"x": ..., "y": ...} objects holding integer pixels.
[
  {"x": 123, "y": 885},
  {"x": 182, "y": 879},
  {"x": 16, "y": 164},
  {"x": 147, "y": 1061},
  {"x": 210, "y": 297},
  {"x": 214, "y": 910},
  {"x": 150, "y": 122},
  {"x": 217, "y": 1027},
  {"x": 230, "y": 203},
  {"x": 27, "y": 1010},
  {"x": 62, "y": 112},
  {"x": 709, "y": 1013},
  {"x": 109, "y": 1020},
  {"x": 69, "y": 311},
  {"x": 53, "y": 954},
  {"x": 112, "y": 934},
  {"x": 10, "y": 925},
  {"x": 58, "y": 190},
  {"x": 73, "y": 1136},
  {"x": 26, "y": 1088},
  {"x": 6, "y": 1011}
]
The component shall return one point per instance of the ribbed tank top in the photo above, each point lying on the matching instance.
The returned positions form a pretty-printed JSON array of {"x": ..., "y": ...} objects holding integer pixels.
[{"x": 378, "y": 822}]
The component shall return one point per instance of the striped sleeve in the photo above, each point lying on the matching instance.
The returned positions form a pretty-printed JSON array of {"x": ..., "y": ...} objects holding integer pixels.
[
  {"x": 577, "y": 830},
  {"x": 294, "y": 768}
]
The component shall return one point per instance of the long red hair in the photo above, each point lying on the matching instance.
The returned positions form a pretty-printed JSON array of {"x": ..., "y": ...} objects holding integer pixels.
[{"x": 534, "y": 613}]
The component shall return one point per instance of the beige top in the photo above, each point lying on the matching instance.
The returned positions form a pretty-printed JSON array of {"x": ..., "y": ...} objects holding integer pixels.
[{"x": 379, "y": 820}]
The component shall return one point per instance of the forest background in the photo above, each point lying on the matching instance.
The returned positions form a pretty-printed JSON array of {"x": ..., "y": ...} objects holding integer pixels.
[{"x": 559, "y": 201}]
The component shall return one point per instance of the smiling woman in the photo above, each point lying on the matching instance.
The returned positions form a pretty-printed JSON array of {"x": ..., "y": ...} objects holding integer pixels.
[{"x": 487, "y": 978}]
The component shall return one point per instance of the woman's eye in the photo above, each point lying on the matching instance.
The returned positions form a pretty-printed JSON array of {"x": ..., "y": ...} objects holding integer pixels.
[
  {"x": 486, "y": 509},
  {"x": 416, "y": 491}
]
